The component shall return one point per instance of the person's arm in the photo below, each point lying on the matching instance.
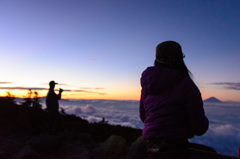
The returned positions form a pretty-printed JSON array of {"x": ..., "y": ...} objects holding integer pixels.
[
  {"x": 141, "y": 110},
  {"x": 59, "y": 94},
  {"x": 194, "y": 109}
]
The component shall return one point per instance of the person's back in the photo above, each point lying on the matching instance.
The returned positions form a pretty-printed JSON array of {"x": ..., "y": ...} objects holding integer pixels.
[
  {"x": 171, "y": 105},
  {"x": 52, "y": 101}
]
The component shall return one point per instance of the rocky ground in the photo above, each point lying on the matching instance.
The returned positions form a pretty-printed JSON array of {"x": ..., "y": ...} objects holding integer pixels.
[
  {"x": 25, "y": 133},
  {"x": 66, "y": 145}
]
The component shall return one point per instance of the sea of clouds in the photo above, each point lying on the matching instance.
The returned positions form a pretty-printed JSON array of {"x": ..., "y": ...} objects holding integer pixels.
[{"x": 223, "y": 133}]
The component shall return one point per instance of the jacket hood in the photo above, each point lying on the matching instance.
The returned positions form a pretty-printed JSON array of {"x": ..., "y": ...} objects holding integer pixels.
[{"x": 157, "y": 79}]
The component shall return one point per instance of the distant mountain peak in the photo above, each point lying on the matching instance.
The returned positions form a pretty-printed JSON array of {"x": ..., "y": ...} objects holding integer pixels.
[{"x": 212, "y": 100}]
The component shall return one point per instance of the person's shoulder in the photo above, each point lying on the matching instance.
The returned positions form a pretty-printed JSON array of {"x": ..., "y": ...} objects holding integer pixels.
[
  {"x": 151, "y": 69},
  {"x": 51, "y": 93}
]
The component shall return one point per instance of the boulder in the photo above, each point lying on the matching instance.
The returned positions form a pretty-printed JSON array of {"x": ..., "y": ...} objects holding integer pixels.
[
  {"x": 27, "y": 153},
  {"x": 114, "y": 147},
  {"x": 45, "y": 143},
  {"x": 138, "y": 149}
]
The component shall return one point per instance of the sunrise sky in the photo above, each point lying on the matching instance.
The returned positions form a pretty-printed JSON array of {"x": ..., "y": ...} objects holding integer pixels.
[{"x": 98, "y": 49}]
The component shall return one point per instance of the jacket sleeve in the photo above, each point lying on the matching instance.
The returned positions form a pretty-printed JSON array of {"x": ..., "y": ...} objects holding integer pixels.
[
  {"x": 197, "y": 120},
  {"x": 142, "y": 110},
  {"x": 59, "y": 96}
]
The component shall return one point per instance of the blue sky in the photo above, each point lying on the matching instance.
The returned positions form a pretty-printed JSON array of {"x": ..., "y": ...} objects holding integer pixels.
[{"x": 98, "y": 49}]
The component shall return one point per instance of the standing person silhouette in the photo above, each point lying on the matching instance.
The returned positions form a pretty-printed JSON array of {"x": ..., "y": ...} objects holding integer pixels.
[
  {"x": 171, "y": 107},
  {"x": 53, "y": 105}
]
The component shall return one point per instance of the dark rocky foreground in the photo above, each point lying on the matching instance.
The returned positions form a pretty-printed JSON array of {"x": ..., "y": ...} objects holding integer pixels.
[{"x": 25, "y": 133}]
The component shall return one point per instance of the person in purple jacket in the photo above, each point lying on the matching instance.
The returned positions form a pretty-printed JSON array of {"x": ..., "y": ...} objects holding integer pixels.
[{"x": 171, "y": 107}]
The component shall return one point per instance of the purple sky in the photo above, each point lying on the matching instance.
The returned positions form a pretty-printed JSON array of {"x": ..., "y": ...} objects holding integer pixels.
[{"x": 107, "y": 44}]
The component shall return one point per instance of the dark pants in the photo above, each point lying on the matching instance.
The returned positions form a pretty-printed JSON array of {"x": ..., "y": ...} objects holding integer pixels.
[
  {"x": 181, "y": 149},
  {"x": 54, "y": 121}
]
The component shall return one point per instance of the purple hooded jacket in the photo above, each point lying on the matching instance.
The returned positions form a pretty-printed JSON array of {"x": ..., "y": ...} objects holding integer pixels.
[{"x": 171, "y": 105}]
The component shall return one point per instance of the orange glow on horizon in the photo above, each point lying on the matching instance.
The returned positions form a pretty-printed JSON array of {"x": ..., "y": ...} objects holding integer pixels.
[{"x": 131, "y": 95}]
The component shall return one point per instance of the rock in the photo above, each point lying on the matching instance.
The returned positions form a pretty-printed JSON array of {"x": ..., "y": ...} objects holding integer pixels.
[
  {"x": 113, "y": 148},
  {"x": 67, "y": 135},
  {"x": 84, "y": 137},
  {"x": 97, "y": 153},
  {"x": 138, "y": 149},
  {"x": 27, "y": 153},
  {"x": 45, "y": 143},
  {"x": 4, "y": 154},
  {"x": 75, "y": 135}
]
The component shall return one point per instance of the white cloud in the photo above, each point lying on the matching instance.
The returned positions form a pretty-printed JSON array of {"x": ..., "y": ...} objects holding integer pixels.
[
  {"x": 128, "y": 124},
  {"x": 93, "y": 119},
  {"x": 95, "y": 110},
  {"x": 225, "y": 130},
  {"x": 78, "y": 110},
  {"x": 125, "y": 118},
  {"x": 89, "y": 109}
]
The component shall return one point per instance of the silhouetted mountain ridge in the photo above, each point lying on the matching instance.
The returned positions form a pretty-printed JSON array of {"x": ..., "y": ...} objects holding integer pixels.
[
  {"x": 212, "y": 100},
  {"x": 25, "y": 133}
]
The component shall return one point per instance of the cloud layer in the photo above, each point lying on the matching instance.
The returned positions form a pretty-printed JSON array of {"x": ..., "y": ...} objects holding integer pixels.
[
  {"x": 23, "y": 88},
  {"x": 115, "y": 112},
  {"x": 5, "y": 82},
  {"x": 80, "y": 90},
  {"x": 223, "y": 134},
  {"x": 228, "y": 85}
]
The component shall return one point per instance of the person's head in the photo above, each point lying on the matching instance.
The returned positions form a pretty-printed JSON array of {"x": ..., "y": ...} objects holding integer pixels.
[
  {"x": 52, "y": 84},
  {"x": 169, "y": 54}
]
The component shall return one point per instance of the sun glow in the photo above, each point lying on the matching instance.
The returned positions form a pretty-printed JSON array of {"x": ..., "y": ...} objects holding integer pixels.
[{"x": 72, "y": 94}]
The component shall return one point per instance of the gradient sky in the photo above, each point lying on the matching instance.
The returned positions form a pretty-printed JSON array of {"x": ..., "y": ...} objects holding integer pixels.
[{"x": 98, "y": 49}]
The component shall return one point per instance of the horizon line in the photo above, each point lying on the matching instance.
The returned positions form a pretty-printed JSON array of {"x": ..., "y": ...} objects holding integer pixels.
[{"x": 115, "y": 99}]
